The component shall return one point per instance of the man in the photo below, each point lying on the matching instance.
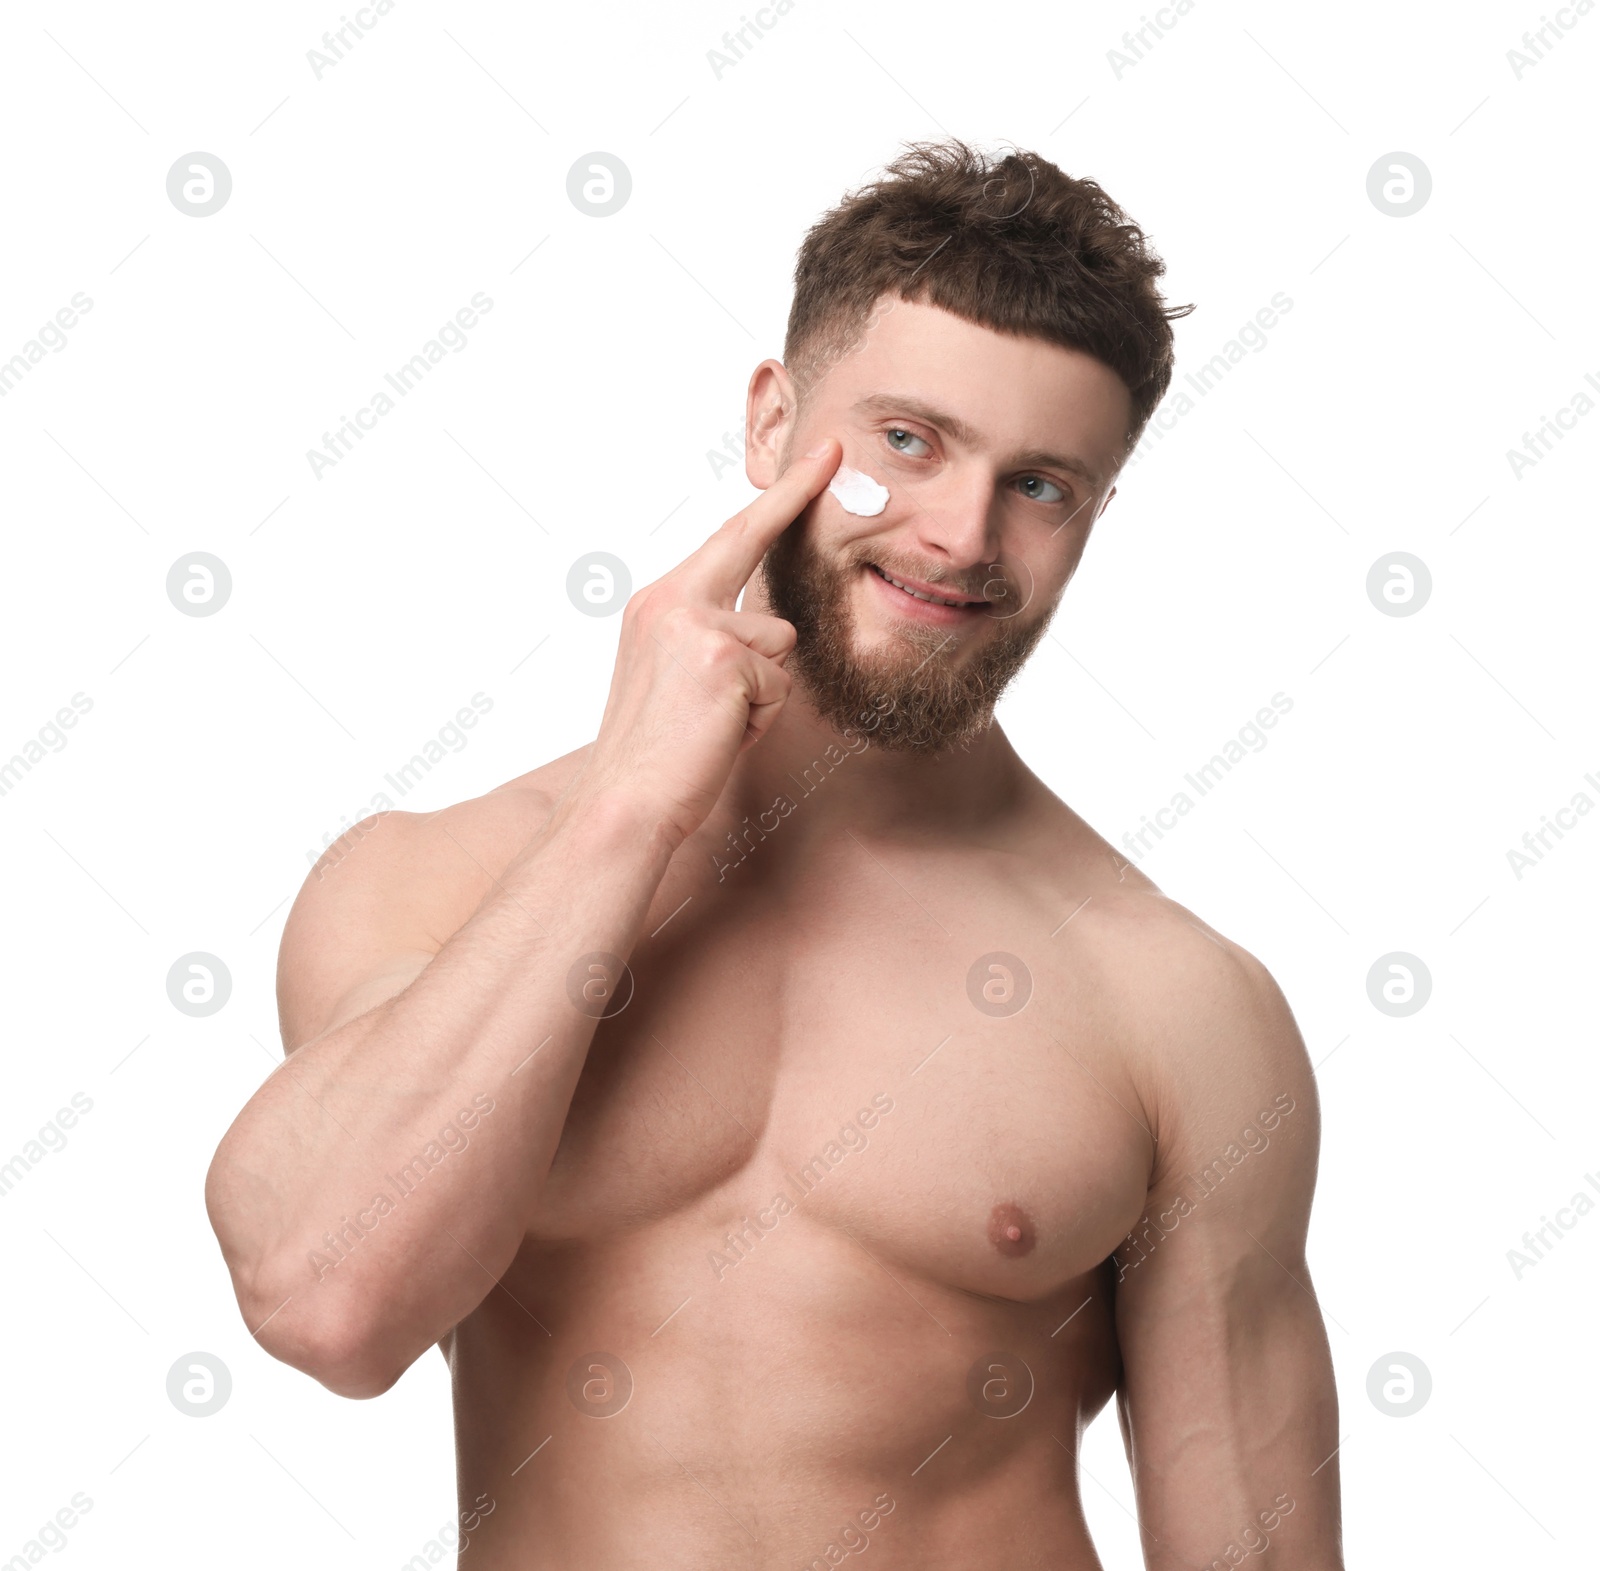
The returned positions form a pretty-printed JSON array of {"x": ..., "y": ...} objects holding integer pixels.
[{"x": 791, "y": 1121}]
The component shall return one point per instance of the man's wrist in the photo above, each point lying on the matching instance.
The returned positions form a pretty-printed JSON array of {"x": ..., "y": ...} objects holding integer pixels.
[{"x": 607, "y": 821}]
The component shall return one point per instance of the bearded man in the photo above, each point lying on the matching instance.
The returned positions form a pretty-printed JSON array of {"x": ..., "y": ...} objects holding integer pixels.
[{"x": 792, "y": 1122}]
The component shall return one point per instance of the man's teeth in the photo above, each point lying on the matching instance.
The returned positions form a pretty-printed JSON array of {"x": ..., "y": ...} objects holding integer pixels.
[{"x": 918, "y": 594}]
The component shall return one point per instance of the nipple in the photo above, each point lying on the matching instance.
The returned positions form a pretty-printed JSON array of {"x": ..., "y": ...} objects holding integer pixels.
[{"x": 1011, "y": 1229}]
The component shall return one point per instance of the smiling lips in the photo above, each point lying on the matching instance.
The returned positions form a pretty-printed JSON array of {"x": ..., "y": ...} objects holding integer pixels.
[{"x": 926, "y": 594}]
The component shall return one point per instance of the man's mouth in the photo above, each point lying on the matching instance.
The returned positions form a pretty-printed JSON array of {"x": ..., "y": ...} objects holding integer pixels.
[{"x": 919, "y": 592}]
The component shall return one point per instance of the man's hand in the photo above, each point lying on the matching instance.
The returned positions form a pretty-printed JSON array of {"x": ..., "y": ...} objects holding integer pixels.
[{"x": 696, "y": 682}]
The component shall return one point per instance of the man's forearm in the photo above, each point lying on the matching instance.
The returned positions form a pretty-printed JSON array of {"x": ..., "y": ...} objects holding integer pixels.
[
  {"x": 378, "y": 1183},
  {"x": 1241, "y": 1464}
]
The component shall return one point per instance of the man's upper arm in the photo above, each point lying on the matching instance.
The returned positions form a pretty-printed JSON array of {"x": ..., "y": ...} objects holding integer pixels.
[
  {"x": 1228, "y": 1392},
  {"x": 357, "y": 932}
]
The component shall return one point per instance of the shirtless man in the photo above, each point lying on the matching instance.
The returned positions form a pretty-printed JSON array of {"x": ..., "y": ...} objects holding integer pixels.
[{"x": 792, "y": 1122}]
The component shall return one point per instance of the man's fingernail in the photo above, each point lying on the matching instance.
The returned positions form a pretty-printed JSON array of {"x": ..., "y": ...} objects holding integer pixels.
[{"x": 820, "y": 448}]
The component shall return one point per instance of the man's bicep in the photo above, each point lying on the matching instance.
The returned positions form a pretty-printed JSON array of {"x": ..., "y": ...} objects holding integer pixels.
[
  {"x": 1227, "y": 1388},
  {"x": 354, "y": 937}
]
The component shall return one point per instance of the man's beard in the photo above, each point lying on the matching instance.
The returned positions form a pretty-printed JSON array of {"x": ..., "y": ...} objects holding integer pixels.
[{"x": 924, "y": 697}]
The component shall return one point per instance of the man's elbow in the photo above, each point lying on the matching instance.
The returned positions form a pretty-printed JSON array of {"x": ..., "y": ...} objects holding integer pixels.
[
  {"x": 339, "y": 1345},
  {"x": 324, "y": 1326}
]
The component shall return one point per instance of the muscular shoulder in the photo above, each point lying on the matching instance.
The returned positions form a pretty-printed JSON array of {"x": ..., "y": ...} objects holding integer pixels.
[
  {"x": 1212, "y": 1044},
  {"x": 383, "y": 899},
  {"x": 1202, "y": 1028}
]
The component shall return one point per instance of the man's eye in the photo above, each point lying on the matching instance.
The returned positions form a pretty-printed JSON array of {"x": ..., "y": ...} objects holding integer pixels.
[
  {"x": 900, "y": 439},
  {"x": 1037, "y": 489}
]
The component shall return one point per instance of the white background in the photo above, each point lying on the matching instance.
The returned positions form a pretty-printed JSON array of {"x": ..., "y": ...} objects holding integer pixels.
[{"x": 372, "y": 603}]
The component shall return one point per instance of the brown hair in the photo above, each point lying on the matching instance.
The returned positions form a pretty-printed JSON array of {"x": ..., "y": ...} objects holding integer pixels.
[{"x": 1012, "y": 244}]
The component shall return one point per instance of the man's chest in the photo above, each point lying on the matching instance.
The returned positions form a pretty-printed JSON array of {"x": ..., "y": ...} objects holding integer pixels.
[{"x": 945, "y": 1097}]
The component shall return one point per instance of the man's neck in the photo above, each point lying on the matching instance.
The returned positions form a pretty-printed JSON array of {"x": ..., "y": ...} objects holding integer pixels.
[{"x": 843, "y": 778}]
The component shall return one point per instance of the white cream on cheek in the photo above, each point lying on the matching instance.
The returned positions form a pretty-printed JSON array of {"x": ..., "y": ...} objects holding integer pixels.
[{"x": 858, "y": 493}]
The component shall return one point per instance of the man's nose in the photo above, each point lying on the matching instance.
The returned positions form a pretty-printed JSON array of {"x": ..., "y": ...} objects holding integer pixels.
[{"x": 956, "y": 519}]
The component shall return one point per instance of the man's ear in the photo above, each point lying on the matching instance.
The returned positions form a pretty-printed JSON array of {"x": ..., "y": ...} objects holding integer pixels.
[{"x": 770, "y": 408}]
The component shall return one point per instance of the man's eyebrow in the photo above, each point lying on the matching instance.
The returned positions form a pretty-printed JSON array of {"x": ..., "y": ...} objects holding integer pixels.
[{"x": 954, "y": 426}]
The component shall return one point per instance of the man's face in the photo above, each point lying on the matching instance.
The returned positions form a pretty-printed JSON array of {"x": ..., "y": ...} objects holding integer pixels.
[{"x": 998, "y": 453}]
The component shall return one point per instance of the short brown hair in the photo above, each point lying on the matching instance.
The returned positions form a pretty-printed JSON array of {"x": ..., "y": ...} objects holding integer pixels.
[{"x": 1011, "y": 243}]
